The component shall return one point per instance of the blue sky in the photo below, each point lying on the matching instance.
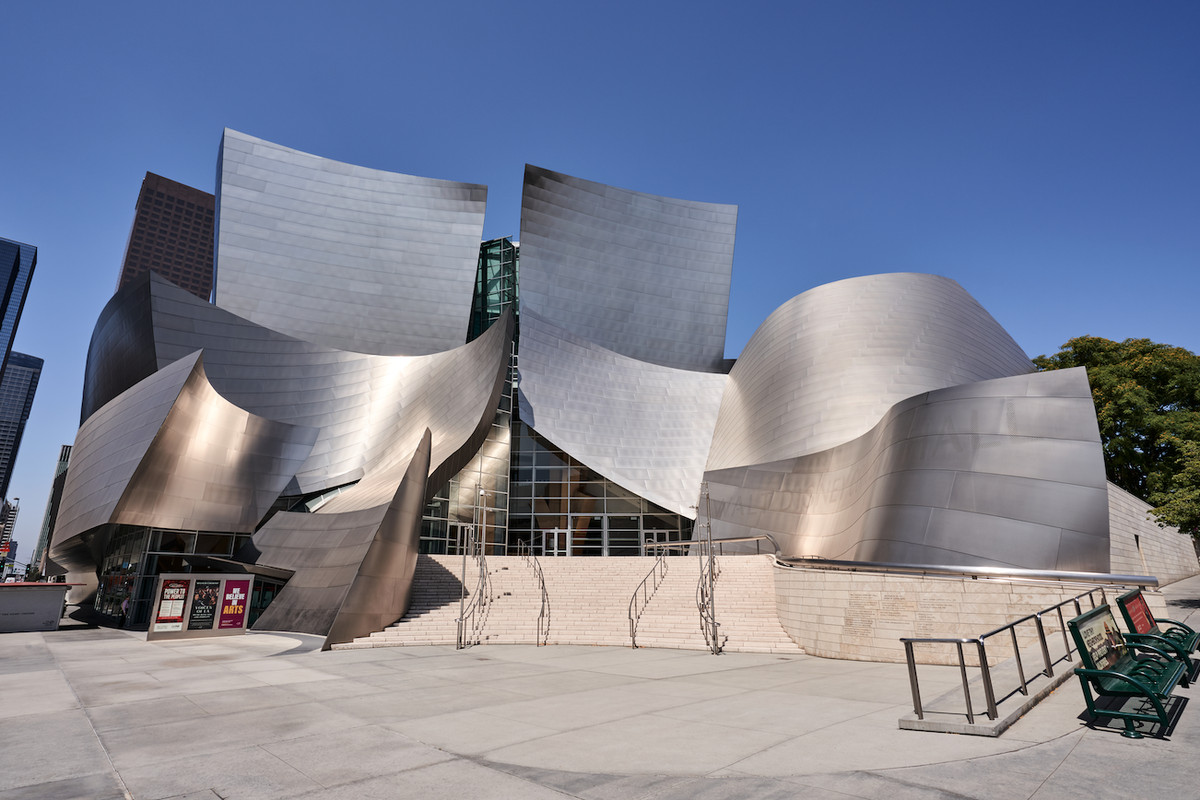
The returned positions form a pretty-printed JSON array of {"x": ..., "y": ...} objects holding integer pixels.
[{"x": 1044, "y": 155}]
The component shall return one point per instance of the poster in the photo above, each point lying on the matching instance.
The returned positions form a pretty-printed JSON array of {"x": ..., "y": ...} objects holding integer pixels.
[
  {"x": 204, "y": 605},
  {"x": 171, "y": 601},
  {"x": 233, "y": 605},
  {"x": 1139, "y": 614},
  {"x": 1102, "y": 640}
]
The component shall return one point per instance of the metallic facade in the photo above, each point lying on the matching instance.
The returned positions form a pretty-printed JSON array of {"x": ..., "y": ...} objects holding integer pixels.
[
  {"x": 352, "y": 258},
  {"x": 641, "y": 425},
  {"x": 1004, "y": 472},
  {"x": 644, "y": 276},
  {"x": 828, "y": 364},
  {"x": 328, "y": 400}
]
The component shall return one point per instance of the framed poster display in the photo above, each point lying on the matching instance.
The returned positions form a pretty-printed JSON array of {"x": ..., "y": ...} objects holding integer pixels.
[{"x": 199, "y": 604}]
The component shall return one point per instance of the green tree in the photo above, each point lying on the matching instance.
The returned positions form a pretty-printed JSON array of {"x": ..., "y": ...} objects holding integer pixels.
[{"x": 1147, "y": 399}]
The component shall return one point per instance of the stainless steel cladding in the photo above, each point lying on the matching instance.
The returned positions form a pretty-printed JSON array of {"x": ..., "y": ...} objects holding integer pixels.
[
  {"x": 643, "y": 276},
  {"x": 171, "y": 452},
  {"x": 348, "y": 257},
  {"x": 1007, "y": 472},
  {"x": 646, "y": 427},
  {"x": 829, "y": 363}
]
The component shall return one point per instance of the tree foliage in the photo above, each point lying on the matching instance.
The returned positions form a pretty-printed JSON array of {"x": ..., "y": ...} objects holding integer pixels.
[{"x": 1147, "y": 399}]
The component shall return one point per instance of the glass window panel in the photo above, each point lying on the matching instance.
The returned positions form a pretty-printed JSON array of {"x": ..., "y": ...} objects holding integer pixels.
[
  {"x": 545, "y": 458},
  {"x": 171, "y": 542},
  {"x": 623, "y": 542},
  {"x": 622, "y": 506},
  {"x": 663, "y": 522},
  {"x": 587, "y": 489},
  {"x": 216, "y": 544}
]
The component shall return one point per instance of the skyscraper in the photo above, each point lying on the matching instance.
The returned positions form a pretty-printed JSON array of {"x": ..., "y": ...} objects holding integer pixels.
[
  {"x": 8, "y": 520},
  {"x": 17, "y": 262},
  {"x": 17, "y": 387},
  {"x": 52, "y": 503},
  {"x": 172, "y": 235}
]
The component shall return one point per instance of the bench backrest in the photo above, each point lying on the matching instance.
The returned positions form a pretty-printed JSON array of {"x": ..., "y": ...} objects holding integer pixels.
[
  {"x": 1137, "y": 612},
  {"x": 1097, "y": 638}
]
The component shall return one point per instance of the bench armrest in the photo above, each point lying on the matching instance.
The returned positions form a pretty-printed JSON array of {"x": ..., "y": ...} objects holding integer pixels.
[
  {"x": 1107, "y": 673},
  {"x": 1146, "y": 641},
  {"x": 1174, "y": 623},
  {"x": 1140, "y": 646}
]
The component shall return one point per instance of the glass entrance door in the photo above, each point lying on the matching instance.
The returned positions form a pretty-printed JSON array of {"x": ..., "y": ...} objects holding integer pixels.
[{"x": 556, "y": 542}]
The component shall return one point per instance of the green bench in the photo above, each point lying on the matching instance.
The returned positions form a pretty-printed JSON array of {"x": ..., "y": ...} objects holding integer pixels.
[
  {"x": 1112, "y": 669},
  {"x": 1178, "y": 639}
]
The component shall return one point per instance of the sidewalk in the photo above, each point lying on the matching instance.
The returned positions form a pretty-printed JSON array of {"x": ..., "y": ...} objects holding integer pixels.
[{"x": 97, "y": 713}]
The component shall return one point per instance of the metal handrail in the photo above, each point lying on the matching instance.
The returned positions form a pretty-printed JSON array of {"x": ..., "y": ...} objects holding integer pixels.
[
  {"x": 706, "y": 586},
  {"x": 1086, "y": 578},
  {"x": 478, "y": 606},
  {"x": 645, "y": 591},
  {"x": 989, "y": 690},
  {"x": 525, "y": 550},
  {"x": 710, "y": 570}
]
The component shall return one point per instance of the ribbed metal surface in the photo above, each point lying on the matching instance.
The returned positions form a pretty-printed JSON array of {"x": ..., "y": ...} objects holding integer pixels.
[
  {"x": 367, "y": 408},
  {"x": 1007, "y": 472},
  {"x": 353, "y": 570},
  {"x": 352, "y": 258},
  {"x": 644, "y": 276},
  {"x": 646, "y": 427},
  {"x": 829, "y": 363},
  {"x": 173, "y": 453},
  {"x": 353, "y": 557}
]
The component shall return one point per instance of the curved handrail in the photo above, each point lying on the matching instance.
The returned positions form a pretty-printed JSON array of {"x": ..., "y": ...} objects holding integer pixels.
[
  {"x": 657, "y": 573},
  {"x": 710, "y": 570},
  {"x": 479, "y": 604},
  {"x": 525, "y": 551}
]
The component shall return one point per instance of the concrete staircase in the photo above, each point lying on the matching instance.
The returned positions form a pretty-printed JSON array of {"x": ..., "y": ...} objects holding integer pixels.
[{"x": 589, "y": 603}]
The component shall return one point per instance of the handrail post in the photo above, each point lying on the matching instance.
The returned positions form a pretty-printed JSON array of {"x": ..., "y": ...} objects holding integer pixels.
[
  {"x": 962, "y": 668},
  {"x": 1041, "y": 629},
  {"x": 989, "y": 692},
  {"x": 1020, "y": 665},
  {"x": 912, "y": 680}
]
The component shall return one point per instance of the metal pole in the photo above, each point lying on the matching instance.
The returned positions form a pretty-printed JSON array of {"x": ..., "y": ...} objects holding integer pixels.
[
  {"x": 912, "y": 680},
  {"x": 989, "y": 693},
  {"x": 712, "y": 578},
  {"x": 462, "y": 597}
]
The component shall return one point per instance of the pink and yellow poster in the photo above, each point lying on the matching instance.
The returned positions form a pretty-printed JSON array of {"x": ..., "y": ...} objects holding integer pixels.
[{"x": 233, "y": 604}]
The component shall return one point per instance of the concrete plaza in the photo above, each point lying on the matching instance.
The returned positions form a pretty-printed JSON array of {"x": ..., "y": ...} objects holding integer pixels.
[{"x": 97, "y": 713}]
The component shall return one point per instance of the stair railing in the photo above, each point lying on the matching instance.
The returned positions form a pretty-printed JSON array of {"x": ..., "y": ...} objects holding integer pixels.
[
  {"x": 525, "y": 551},
  {"x": 649, "y": 585},
  {"x": 473, "y": 613},
  {"x": 710, "y": 569}
]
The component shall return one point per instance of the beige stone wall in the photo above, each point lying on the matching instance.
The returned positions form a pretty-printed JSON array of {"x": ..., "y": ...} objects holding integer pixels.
[
  {"x": 862, "y": 616},
  {"x": 1137, "y": 546}
]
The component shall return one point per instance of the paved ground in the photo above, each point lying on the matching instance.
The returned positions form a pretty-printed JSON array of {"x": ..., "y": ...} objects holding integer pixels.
[{"x": 96, "y": 713}]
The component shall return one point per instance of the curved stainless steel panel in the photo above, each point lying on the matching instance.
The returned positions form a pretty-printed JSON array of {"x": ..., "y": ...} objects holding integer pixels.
[
  {"x": 353, "y": 557},
  {"x": 121, "y": 350},
  {"x": 644, "y": 276},
  {"x": 828, "y": 364},
  {"x": 646, "y": 427},
  {"x": 1007, "y": 472},
  {"x": 382, "y": 589},
  {"x": 173, "y": 453},
  {"x": 366, "y": 408},
  {"x": 352, "y": 258}
]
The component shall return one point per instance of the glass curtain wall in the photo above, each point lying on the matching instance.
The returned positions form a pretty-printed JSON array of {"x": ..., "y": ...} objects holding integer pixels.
[
  {"x": 520, "y": 489},
  {"x": 136, "y": 556}
]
